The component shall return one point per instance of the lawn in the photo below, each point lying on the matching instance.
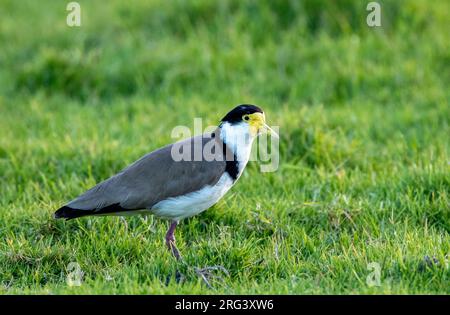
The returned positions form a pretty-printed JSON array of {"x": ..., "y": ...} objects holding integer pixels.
[{"x": 358, "y": 205}]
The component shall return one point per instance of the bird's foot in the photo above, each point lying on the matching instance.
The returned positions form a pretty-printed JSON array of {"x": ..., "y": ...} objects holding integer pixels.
[
  {"x": 170, "y": 242},
  {"x": 179, "y": 277},
  {"x": 209, "y": 276}
]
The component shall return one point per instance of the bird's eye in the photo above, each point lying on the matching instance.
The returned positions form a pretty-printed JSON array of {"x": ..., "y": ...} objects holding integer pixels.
[{"x": 246, "y": 117}]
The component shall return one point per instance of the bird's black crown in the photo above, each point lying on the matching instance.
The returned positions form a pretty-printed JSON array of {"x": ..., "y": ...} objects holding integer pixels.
[{"x": 235, "y": 115}]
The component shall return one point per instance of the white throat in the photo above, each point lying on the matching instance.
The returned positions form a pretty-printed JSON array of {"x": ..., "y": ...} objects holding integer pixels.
[{"x": 239, "y": 140}]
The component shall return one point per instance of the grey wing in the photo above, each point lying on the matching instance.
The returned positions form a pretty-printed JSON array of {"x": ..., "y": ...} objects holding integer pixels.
[{"x": 154, "y": 177}]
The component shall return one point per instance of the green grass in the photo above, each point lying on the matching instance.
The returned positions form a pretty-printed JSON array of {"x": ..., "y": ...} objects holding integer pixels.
[{"x": 364, "y": 125}]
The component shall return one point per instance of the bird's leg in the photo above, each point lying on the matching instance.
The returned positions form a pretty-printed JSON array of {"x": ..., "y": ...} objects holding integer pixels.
[
  {"x": 170, "y": 240},
  {"x": 207, "y": 274}
]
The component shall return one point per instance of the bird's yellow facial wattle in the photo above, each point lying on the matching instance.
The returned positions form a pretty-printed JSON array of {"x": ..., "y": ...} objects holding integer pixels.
[{"x": 257, "y": 123}]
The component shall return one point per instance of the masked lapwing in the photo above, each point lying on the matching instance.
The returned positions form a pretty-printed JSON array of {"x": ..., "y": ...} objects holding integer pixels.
[{"x": 179, "y": 180}]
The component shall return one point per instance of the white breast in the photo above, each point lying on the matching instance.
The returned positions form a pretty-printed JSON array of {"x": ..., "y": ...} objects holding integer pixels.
[{"x": 182, "y": 207}]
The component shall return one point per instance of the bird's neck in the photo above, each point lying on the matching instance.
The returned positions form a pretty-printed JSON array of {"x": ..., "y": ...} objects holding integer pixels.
[{"x": 238, "y": 139}]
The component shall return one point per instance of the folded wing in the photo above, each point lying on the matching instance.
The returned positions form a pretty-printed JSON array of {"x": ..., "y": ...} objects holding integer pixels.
[{"x": 155, "y": 177}]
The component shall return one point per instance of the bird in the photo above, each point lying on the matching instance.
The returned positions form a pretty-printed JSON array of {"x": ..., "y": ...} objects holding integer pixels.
[{"x": 179, "y": 180}]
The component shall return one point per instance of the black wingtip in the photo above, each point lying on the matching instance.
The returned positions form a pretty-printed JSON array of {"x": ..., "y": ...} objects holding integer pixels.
[{"x": 70, "y": 213}]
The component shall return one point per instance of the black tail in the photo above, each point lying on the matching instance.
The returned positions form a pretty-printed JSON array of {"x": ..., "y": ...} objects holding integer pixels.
[{"x": 69, "y": 213}]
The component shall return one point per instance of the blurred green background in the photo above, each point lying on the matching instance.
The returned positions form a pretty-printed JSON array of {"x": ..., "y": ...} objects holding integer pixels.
[{"x": 364, "y": 124}]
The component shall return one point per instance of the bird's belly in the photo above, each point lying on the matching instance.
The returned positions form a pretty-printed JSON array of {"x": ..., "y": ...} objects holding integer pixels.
[{"x": 177, "y": 208}]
